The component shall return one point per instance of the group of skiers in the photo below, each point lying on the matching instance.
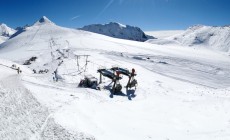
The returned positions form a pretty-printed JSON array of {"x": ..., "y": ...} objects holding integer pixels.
[{"x": 55, "y": 77}]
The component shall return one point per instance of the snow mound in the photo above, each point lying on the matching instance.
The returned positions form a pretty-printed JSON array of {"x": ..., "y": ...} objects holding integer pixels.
[
  {"x": 216, "y": 38},
  {"x": 43, "y": 20},
  {"x": 118, "y": 30}
]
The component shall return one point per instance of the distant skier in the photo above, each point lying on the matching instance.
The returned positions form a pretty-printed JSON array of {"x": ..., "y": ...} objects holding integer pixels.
[
  {"x": 18, "y": 70},
  {"x": 34, "y": 71},
  {"x": 55, "y": 78}
]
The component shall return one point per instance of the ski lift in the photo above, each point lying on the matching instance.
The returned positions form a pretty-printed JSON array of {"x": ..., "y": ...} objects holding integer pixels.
[
  {"x": 114, "y": 77},
  {"x": 123, "y": 71},
  {"x": 131, "y": 82}
]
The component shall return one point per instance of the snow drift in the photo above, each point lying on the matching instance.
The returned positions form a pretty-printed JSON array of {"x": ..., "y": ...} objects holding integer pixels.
[{"x": 118, "y": 30}]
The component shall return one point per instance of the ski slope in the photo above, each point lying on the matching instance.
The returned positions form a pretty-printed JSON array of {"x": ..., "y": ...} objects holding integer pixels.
[{"x": 182, "y": 93}]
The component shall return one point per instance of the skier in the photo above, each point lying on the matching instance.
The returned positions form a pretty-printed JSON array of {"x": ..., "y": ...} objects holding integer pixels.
[
  {"x": 55, "y": 75},
  {"x": 18, "y": 70},
  {"x": 132, "y": 82},
  {"x": 133, "y": 72},
  {"x": 34, "y": 70},
  {"x": 116, "y": 86}
]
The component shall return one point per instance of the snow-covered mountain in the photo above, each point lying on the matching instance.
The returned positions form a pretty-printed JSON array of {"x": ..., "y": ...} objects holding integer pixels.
[
  {"x": 182, "y": 93},
  {"x": 118, "y": 30},
  {"x": 43, "y": 20},
  {"x": 216, "y": 38},
  {"x": 5, "y": 32},
  {"x": 210, "y": 37}
]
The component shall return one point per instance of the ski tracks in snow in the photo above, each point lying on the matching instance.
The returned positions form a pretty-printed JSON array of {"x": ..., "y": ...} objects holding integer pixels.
[
  {"x": 21, "y": 114},
  {"x": 194, "y": 72}
]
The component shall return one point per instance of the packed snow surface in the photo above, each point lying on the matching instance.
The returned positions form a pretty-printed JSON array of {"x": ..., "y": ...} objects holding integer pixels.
[{"x": 183, "y": 93}]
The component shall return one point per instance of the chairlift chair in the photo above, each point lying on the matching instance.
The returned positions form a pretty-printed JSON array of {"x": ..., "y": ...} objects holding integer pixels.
[{"x": 114, "y": 77}]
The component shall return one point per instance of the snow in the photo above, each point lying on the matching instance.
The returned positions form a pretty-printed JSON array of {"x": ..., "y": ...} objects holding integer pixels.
[
  {"x": 182, "y": 93},
  {"x": 164, "y": 34},
  {"x": 43, "y": 20},
  {"x": 216, "y": 38},
  {"x": 21, "y": 115},
  {"x": 5, "y": 32},
  {"x": 118, "y": 30},
  {"x": 3, "y": 39},
  {"x": 199, "y": 36}
]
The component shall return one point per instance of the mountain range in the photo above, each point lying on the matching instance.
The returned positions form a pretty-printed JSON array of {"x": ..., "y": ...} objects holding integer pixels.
[{"x": 201, "y": 36}]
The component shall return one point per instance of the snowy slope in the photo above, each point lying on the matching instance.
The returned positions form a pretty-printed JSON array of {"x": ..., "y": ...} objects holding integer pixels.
[
  {"x": 118, "y": 30},
  {"x": 3, "y": 39},
  {"x": 182, "y": 93},
  {"x": 164, "y": 34}
]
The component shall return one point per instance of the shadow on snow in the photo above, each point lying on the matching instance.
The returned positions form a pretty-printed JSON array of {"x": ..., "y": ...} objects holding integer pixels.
[{"x": 129, "y": 93}]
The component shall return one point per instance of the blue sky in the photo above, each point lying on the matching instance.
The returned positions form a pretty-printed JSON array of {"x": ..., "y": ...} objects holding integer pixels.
[{"x": 146, "y": 14}]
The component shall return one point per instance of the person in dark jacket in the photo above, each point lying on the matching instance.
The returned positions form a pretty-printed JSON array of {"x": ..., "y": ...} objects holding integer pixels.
[{"x": 18, "y": 70}]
